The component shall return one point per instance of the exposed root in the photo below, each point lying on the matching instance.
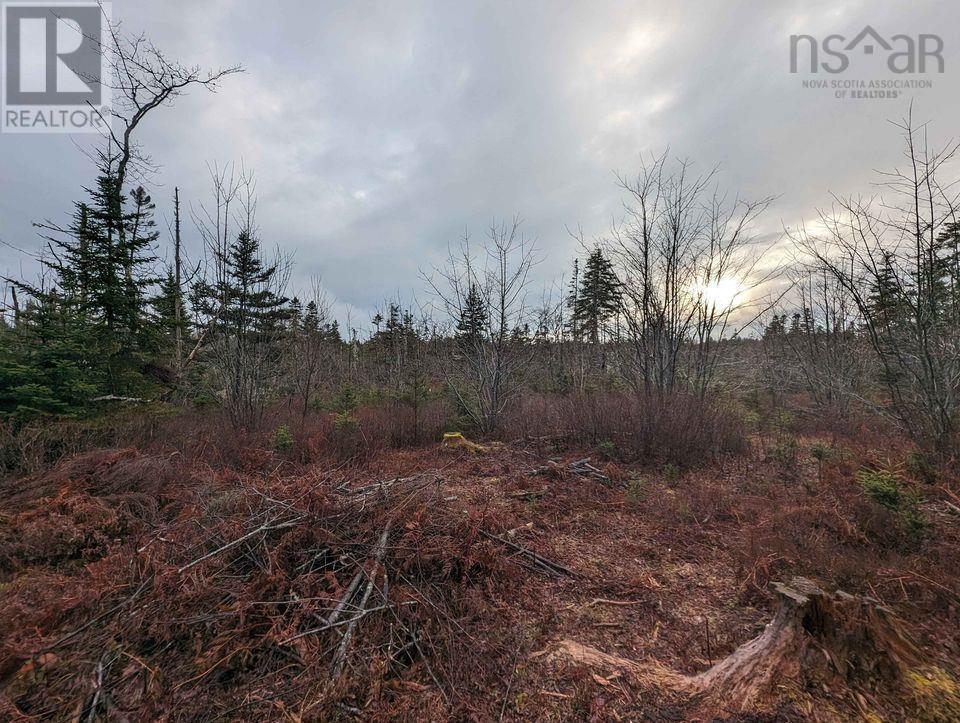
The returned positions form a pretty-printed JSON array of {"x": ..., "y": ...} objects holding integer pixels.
[{"x": 647, "y": 673}]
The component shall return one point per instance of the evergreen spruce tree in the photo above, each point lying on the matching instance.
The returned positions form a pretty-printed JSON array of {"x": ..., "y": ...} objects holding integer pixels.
[
  {"x": 331, "y": 332},
  {"x": 776, "y": 328},
  {"x": 886, "y": 298},
  {"x": 295, "y": 318},
  {"x": 946, "y": 273},
  {"x": 393, "y": 328},
  {"x": 44, "y": 367},
  {"x": 248, "y": 318},
  {"x": 251, "y": 307},
  {"x": 311, "y": 319},
  {"x": 598, "y": 297},
  {"x": 100, "y": 271},
  {"x": 472, "y": 324}
]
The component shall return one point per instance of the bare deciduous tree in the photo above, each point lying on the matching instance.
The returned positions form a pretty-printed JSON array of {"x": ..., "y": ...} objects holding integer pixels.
[
  {"x": 689, "y": 269},
  {"x": 311, "y": 356},
  {"x": 892, "y": 254},
  {"x": 486, "y": 366},
  {"x": 142, "y": 79},
  {"x": 820, "y": 351}
]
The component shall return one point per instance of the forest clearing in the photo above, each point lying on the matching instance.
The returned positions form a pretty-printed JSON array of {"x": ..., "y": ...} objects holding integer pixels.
[{"x": 338, "y": 442}]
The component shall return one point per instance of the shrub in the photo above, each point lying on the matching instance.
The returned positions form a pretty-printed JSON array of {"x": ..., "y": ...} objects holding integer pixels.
[
  {"x": 677, "y": 428},
  {"x": 671, "y": 473},
  {"x": 282, "y": 439},
  {"x": 636, "y": 488},
  {"x": 345, "y": 422},
  {"x": 821, "y": 452},
  {"x": 399, "y": 423},
  {"x": 360, "y": 433},
  {"x": 785, "y": 452},
  {"x": 785, "y": 420},
  {"x": 885, "y": 487},
  {"x": 346, "y": 400},
  {"x": 918, "y": 465}
]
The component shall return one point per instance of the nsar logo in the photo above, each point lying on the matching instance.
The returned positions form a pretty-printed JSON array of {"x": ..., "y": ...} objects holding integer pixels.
[{"x": 904, "y": 53}]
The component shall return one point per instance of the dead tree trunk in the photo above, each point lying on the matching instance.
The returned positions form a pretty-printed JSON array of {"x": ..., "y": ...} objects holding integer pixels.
[{"x": 178, "y": 281}]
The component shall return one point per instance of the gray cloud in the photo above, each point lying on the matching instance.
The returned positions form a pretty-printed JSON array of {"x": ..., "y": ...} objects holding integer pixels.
[{"x": 379, "y": 131}]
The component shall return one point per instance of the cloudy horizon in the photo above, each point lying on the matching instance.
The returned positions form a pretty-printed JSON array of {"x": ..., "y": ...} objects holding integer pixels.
[{"x": 379, "y": 132}]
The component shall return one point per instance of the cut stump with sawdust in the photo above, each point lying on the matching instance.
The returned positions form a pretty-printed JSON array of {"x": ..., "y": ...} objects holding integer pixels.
[
  {"x": 839, "y": 642},
  {"x": 456, "y": 440}
]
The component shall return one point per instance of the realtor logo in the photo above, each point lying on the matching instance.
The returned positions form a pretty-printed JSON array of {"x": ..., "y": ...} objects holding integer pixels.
[{"x": 54, "y": 67}]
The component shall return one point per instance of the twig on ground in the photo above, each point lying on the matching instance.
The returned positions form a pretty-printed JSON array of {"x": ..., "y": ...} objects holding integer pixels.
[
  {"x": 548, "y": 565},
  {"x": 265, "y": 527},
  {"x": 604, "y": 601},
  {"x": 528, "y": 494}
]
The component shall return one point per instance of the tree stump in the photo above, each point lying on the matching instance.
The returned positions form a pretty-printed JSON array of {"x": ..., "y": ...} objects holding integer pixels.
[{"x": 837, "y": 642}]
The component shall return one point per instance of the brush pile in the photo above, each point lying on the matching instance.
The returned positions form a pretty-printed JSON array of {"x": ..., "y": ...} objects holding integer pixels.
[{"x": 139, "y": 589}]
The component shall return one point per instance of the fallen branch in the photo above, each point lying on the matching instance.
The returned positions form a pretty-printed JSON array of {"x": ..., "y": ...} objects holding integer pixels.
[
  {"x": 345, "y": 600},
  {"x": 529, "y": 494},
  {"x": 583, "y": 468},
  {"x": 94, "y": 705},
  {"x": 604, "y": 601},
  {"x": 203, "y": 335},
  {"x": 513, "y": 531},
  {"x": 115, "y": 398},
  {"x": 340, "y": 657},
  {"x": 554, "y": 568},
  {"x": 265, "y": 527},
  {"x": 340, "y": 623}
]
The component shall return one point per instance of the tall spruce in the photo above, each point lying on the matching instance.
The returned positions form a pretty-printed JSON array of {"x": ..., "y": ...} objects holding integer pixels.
[
  {"x": 946, "y": 273},
  {"x": 572, "y": 297},
  {"x": 100, "y": 270},
  {"x": 472, "y": 324},
  {"x": 597, "y": 300},
  {"x": 251, "y": 307},
  {"x": 250, "y": 318}
]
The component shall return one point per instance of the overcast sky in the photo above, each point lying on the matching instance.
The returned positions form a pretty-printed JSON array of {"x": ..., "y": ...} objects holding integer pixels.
[{"x": 380, "y": 131}]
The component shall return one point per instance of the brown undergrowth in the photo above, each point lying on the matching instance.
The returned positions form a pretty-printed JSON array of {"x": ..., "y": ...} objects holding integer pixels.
[{"x": 183, "y": 584}]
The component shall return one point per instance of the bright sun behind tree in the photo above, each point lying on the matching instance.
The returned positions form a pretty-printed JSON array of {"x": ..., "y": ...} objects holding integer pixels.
[{"x": 723, "y": 293}]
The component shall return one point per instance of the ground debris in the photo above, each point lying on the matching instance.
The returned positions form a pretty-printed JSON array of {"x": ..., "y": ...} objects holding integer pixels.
[
  {"x": 415, "y": 586},
  {"x": 580, "y": 467}
]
